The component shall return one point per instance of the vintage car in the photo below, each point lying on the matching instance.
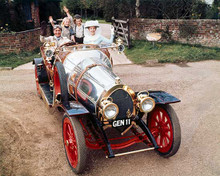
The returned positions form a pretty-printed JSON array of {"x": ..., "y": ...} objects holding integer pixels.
[{"x": 100, "y": 111}]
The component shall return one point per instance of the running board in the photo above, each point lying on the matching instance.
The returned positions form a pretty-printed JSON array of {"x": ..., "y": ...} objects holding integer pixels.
[
  {"x": 131, "y": 152},
  {"x": 47, "y": 95}
]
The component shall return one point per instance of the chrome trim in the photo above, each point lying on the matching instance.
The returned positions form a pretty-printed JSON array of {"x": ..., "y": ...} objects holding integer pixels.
[
  {"x": 133, "y": 123},
  {"x": 117, "y": 80},
  {"x": 141, "y": 98},
  {"x": 104, "y": 103},
  {"x": 135, "y": 151}
]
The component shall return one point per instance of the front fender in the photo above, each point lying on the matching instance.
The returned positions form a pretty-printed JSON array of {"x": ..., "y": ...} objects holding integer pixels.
[
  {"x": 41, "y": 71},
  {"x": 37, "y": 61},
  {"x": 74, "y": 108},
  {"x": 162, "y": 97}
]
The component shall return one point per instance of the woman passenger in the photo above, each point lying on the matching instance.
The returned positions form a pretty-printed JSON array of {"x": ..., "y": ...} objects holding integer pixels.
[{"x": 93, "y": 34}]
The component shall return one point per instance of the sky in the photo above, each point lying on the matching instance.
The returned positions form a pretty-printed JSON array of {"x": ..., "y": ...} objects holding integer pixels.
[{"x": 209, "y": 1}]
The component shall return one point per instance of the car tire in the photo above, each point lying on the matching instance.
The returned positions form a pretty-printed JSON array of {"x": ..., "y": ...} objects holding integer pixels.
[
  {"x": 164, "y": 125},
  {"x": 74, "y": 143},
  {"x": 60, "y": 82}
]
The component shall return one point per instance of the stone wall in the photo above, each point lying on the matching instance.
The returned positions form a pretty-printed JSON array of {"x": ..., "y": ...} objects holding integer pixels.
[
  {"x": 202, "y": 31},
  {"x": 21, "y": 41}
]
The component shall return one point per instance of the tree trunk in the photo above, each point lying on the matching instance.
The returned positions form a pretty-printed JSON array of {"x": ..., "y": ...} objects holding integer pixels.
[
  {"x": 137, "y": 8},
  {"x": 86, "y": 14}
]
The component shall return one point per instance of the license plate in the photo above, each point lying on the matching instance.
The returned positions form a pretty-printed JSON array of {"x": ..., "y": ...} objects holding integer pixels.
[{"x": 121, "y": 122}]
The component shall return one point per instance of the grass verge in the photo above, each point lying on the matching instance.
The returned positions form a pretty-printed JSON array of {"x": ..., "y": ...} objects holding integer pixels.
[
  {"x": 170, "y": 52},
  {"x": 13, "y": 60}
]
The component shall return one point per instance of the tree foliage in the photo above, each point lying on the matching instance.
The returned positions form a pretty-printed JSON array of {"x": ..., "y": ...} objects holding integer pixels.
[
  {"x": 123, "y": 9},
  {"x": 159, "y": 9},
  {"x": 173, "y": 9},
  {"x": 214, "y": 11},
  {"x": 4, "y": 13}
]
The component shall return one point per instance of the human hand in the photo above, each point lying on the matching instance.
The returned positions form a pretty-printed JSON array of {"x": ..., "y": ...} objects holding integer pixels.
[
  {"x": 51, "y": 19},
  {"x": 65, "y": 9},
  {"x": 112, "y": 29}
]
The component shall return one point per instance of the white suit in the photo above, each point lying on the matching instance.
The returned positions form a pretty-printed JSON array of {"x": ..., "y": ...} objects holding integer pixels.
[{"x": 58, "y": 41}]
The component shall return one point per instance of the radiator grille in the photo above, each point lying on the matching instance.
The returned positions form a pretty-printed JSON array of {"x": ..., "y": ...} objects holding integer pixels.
[{"x": 124, "y": 102}]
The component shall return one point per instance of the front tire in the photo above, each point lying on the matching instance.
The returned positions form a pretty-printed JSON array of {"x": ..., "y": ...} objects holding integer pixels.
[
  {"x": 74, "y": 143},
  {"x": 164, "y": 125}
]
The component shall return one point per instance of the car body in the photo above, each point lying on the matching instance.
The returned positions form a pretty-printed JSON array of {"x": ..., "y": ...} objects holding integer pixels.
[{"x": 78, "y": 80}]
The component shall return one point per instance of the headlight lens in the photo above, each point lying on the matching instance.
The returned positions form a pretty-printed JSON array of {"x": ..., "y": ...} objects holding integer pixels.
[
  {"x": 110, "y": 111},
  {"x": 147, "y": 105},
  {"x": 49, "y": 53}
]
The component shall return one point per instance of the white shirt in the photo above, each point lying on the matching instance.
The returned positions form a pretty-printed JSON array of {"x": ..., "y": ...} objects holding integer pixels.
[
  {"x": 79, "y": 31},
  {"x": 58, "y": 41},
  {"x": 98, "y": 39}
]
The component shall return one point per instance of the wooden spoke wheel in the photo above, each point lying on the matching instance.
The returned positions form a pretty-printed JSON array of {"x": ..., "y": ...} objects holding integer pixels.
[
  {"x": 74, "y": 143},
  {"x": 164, "y": 125}
]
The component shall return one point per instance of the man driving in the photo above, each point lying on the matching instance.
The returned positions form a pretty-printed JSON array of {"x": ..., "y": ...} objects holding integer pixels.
[{"x": 57, "y": 38}]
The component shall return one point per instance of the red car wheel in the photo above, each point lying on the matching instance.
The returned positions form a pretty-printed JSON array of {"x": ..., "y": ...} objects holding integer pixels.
[
  {"x": 37, "y": 82},
  {"x": 164, "y": 125},
  {"x": 74, "y": 143}
]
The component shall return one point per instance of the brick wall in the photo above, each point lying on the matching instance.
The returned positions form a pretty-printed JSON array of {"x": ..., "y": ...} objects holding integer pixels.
[
  {"x": 21, "y": 41},
  {"x": 206, "y": 31}
]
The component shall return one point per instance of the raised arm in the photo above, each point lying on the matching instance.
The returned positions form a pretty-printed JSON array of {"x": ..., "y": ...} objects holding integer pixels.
[
  {"x": 66, "y": 10},
  {"x": 108, "y": 41},
  {"x": 45, "y": 39},
  {"x": 43, "y": 32},
  {"x": 51, "y": 20}
]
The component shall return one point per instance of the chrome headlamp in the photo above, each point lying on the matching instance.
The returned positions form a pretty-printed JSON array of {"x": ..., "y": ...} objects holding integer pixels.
[
  {"x": 109, "y": 110},
  {"x": 49, "y": 53},
  {"x": 121, "y": 47},
  {"x": 145, "y": 103}
]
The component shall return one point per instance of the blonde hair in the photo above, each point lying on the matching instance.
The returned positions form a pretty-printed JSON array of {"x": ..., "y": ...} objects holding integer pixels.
[{"x": 64, "y": 19}]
